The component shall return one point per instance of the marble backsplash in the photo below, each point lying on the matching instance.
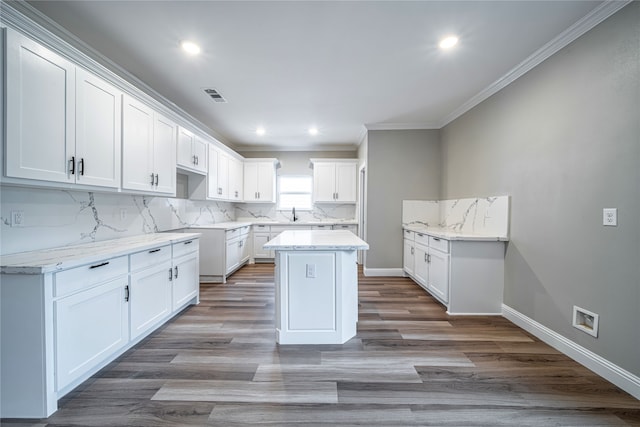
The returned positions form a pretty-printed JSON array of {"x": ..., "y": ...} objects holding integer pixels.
[
  {"x": 488, "y": 215},
  {"x": 325, "y": 212},
  {"x": 53, "y": 218}
]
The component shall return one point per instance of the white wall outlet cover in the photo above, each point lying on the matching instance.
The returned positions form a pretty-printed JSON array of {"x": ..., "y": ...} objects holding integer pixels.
[
  {"x": 610, "y": 216},
  {"x": 17, "y": 218}
]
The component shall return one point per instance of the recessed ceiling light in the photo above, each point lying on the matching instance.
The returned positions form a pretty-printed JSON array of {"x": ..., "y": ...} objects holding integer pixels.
[
  {"x": 448, "y": 42},
  {"x": 313, "y": 131},
  {"x": 190, "y": 47},
  {"x": 260, "y": 131}
]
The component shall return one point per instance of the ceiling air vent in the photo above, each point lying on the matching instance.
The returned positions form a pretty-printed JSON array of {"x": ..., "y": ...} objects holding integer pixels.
[{"x": 213, "y": 94}]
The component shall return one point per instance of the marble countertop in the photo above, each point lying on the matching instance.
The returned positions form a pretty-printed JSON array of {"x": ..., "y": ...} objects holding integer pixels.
[
  {"x": 446, "y": 234},
  {"x": 56, "y": 259},
  {"x": 323, "y": 240},
  {"x": 230, "y": 225},
  {"x": 244, "y": 222}
]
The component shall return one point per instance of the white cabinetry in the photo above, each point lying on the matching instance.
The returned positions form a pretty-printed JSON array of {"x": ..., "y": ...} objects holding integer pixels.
[
  {"x": 62, "y": 320},
  {"x": 334, "y": 181},
  {"x": 349, "y": 227},
  {"x": 467, "y": 276},
  {"x": 150, "y": 293},
  {"x": 186, "y": 280},
  {"x": 237, "y": 242},
  {"x": 236, "y": 180},
  {"x": 63, "y": 123},
  {"x": 260, "y": 180},
  {"x": 222, "y": 251},
  {"x": 261, "y": 235},
  {"x": 191, "y": 152},
  {"x": 91, "y": 317},
  {"x": 148, "y": 149}
]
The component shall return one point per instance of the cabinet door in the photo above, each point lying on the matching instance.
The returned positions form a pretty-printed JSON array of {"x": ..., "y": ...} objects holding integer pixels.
[
  {"x": 266, "y": 182},
  {"x": 439, "y": 274},
  {"x": 98, "y": 131},
  {"x": 137, "y": 145},
  {"x": 259, "y": 240},
  {"x": 346, "y": 182},
  {"x": 184, "y": 153},
  {"x": 408, "y": 257},
  {"x": 199, "y": 150},
  {"x": 185, "y": 280},
  {"x": 164, "y": 155},
  {"x": 150, "y": 298},
  {"x": 324, "y": 182},
  {"x": 251, "y": 181},
  {"x": 40, "y": 111},
  {"x": 421, "y": 265},
  {"x": 233, "y": 255},
  {"x": 90, "y": 326},
  {"x": 213, "y": 191},
  {"x": 223, "y": 176},
  {"x": 235, "y": 179},
  {"x": 244, "y": 249}
]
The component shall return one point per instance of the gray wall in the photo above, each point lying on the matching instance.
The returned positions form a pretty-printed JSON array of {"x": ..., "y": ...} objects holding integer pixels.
[
  {"x": 564, "y": 142},
  {"x": 401, "y": 164}
]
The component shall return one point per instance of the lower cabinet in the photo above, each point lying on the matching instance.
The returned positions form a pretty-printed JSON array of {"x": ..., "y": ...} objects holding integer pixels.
[
  {"x": 90, "y": 326},
  {"x": 59, "y": 327},
  {"x": 237, "y": 253},
  {"x": 466, "y": 276},
  {"x": 259, "y": 239},
  {"x": 222, "y": 251}
]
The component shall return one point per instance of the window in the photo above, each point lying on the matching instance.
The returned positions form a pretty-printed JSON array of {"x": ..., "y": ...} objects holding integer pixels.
[{"x": 294, "y": 191}]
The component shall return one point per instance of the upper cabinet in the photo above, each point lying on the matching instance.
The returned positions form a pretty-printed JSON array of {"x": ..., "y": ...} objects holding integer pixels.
[
  {"x": 191, "y": 152},
  {"x": 260, "y": 180},
  {"x": 218, "y": 177},
  {"x": 334, "y": 180},
  {"x": 236, "y": 180},
  {"x": 63, "y": 123},
  {"x": 148, "y": 149}
]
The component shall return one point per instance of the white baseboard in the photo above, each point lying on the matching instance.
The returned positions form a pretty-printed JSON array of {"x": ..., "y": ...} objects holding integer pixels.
[
  {"x": 383, "y": 272},
  {"x": 601, "y": 366}
]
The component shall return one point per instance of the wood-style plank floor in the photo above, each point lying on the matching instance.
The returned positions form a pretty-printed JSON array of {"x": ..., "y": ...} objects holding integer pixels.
[{"x": 411, "y": 364}]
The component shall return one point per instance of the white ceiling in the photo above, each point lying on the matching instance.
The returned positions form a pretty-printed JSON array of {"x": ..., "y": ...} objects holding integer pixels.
[{"x": 338, "y": 65}]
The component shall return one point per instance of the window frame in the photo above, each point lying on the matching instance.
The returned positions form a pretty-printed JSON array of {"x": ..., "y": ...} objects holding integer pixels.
[{"x": 279, "y": 192}]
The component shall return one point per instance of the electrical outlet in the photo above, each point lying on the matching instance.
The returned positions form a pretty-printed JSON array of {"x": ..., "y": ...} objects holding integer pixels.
[
  {"x": 311, "y": 271},
  {"x": 17, "y": 218},
  {"x": 610, "y": 216}
]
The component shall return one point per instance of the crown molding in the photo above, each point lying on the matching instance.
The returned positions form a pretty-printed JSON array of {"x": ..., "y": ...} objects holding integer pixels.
[
  {"x": 401, "y": 126},
  {"x": 586, "y": 23},
  {"x": 328, "y": 147}
]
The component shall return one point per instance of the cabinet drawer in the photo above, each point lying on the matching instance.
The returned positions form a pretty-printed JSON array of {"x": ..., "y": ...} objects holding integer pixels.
[
  {"x": 261, "y": 228},
  {"x": 84, "y": 277},
  {"x": 280, "y": 228},
  {"x": 244, "y": 230},
  {"x": 421, "y": 238},
  {"x": 150, "y": 257},
  {"x": 409, "y": 235},
  {"x": 232, "y": 234},
  {"x": 439, "y": 244},
  {"x": 321, "y": 227},
  {"x": 351, "y": 227},
  {"x": 186, "y": 247}
]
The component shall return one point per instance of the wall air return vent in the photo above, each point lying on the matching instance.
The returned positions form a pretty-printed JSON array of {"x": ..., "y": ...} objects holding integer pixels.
[{"x": 215, "y": 95}]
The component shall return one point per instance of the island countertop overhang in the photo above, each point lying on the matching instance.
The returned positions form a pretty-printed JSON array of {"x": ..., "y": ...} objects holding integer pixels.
[{"x": 316, "y": 240}]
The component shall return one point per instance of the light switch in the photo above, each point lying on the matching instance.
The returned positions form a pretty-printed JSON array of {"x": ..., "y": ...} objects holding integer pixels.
[{"x": 610, "y": 216}]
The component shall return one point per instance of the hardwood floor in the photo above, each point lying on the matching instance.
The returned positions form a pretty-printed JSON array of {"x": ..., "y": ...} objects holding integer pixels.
[{"x": 217, "y": 364}]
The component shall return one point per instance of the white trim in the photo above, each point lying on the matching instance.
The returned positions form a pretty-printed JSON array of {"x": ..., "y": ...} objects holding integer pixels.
[
  {"x": 401, "y": 126},
  {"x": 315, "y": 147},
  {"x": 383, "y": 272},
  {"x": 472, "y": 314},
  {"x": 598, "y": 364},
  {"x": 586, "y": 23}
]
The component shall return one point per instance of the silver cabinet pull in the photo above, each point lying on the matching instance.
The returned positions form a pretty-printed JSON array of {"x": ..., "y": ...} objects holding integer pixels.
[
  {"x": 176, "y": 272},
  {"x": 171, "y": 274}
]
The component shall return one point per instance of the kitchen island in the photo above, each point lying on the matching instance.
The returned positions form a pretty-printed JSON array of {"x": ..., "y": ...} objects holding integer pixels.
[{"x": 316, "y": 286}]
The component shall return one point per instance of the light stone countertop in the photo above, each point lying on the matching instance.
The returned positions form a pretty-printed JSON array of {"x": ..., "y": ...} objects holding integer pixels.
[
  {"x": 446, "y": 234},
  {"x": 230, "y": 225},
  {"x": 56, "y": 259},
  {"x": 320, "y": 240}
]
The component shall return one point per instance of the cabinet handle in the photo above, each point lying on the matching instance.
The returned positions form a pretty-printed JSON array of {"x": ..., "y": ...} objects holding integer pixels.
[
  {"x": 155, "y": 250},
  {"x": 337, "y": 196},
  {"x": 411, "y": 251},
  {"x": 82, "y": 166},
  {"x": 99, "y": 265},
  {"x": 157, "y": 180},
  {"x": 421, "y": 235},
  {"x": 171, "y": 274},
  {"x": 197, "y": 160},
  {"x": 258, "y": 194},
  {"x": 176, "y": 272},
  {"x": 426, "y": 258},
  {"x": 73, "y": 165},
  {"x": 429, "y": 258},
  {"x": 126, "y": 293},
  {"x": 193, "y": 160},
  {"x": 187, "y": 242},
  {"x": 437, "y": 239},
  {"x": 152, "y": 180}
]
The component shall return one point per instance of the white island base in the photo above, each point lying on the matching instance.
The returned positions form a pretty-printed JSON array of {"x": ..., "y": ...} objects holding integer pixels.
[{"x": 316, "y": 286}]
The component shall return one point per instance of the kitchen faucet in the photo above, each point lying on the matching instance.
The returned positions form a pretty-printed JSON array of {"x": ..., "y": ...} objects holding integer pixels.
[{"x": 293, "y": 212}]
